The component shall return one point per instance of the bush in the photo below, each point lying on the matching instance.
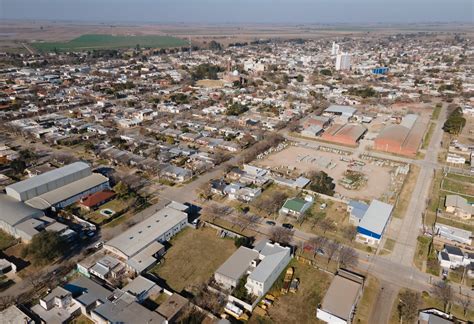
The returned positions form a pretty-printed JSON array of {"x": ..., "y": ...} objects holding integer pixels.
[{"x": 45, "y": 247}]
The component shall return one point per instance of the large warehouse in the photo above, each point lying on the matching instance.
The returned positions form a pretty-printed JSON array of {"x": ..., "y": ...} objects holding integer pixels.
[
  {"x": 139, "y": 244},
  {"x": 403, "y": 139},
  {"x": 21, "y": 209},
  {"x": 58, "y": 188},
  {"x": 373, "y": 223},
  {"x": 347, "y": 134}
]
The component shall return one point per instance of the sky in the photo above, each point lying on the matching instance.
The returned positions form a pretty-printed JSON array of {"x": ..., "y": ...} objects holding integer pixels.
[{"x": 242, "y": 11}]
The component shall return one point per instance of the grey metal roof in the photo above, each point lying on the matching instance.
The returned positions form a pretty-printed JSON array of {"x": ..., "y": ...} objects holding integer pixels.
[
  {"x": 138, "y": 237},
  {"x": 72, "y": 189},
  {"x": 340, "y": 297},
  {"x": 89, "y": 291},
  {"x": 376, "y": 217},
  {"x": 238, "y": 263},
  {"x": 52, "y": 179},
  {"x": 340, "y": 109},
  {"x": 139, "y": 285},
  {"x": 14, "y": 212},
  {"x": 267, "y": 266},
  {"x": 409, "y": 120}
]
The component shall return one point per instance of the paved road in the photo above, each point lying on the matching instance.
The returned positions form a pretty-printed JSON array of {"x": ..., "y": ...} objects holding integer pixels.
[{"x": 405, "y": 245}]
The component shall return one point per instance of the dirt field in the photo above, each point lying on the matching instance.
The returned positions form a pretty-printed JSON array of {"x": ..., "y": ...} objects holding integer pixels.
[
  {"x": 193, "y": 258},
  {"x": 378, "y": 177}
]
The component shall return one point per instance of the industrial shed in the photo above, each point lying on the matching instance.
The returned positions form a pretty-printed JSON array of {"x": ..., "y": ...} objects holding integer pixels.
[
  {"x": 373, "y": 223},
  {"x": 18, "y": 219},
  {"x": 338, "y": 110},
  {"x": 43, "y": 183},
  {"x": 347, "y": 134},
  {"x": 138, "y": 245},
  {"x": 403, "y": 139}
]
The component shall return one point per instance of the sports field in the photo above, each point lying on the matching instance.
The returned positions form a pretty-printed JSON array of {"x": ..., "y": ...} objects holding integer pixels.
[{"x": 91, "y": 41}]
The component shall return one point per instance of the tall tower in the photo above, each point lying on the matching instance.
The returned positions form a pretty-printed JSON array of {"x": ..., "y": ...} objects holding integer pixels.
[
  {"x": 343, "y": 62},
  {"x": 334, "y": 49},
  {"x": 190, "y": 46}
]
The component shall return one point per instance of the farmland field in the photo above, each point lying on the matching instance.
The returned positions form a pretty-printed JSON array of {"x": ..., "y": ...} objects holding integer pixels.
[{"x": 92, "y": 41}]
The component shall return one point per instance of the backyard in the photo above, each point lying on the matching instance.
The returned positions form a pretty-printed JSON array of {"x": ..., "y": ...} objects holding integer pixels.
[
  {"x": 299, "y": 307},
  {"x": 117, "y": 206},
  {"x": 193, "y": 257}
]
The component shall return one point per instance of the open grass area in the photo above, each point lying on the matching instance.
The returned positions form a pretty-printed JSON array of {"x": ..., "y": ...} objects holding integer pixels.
[
  {"x": 91, "y": 42},
  {"x": 82, "y": 319},
  {"x": 193, "y": 257},
  {"x": 6, "y": 240},
  {"x": 116, "y": 205},
  {"x": 436, "y": 112},
  {"x": 364, "y": 308},
  {"x": 388, "y": 247},
  {"x": 424, "y": 259},
  {"x": 461, "y": 188},
  {"x": 428, "y": 135},
  {"x": 299, "y": 307},
  {"x": 406, "y": 192}
]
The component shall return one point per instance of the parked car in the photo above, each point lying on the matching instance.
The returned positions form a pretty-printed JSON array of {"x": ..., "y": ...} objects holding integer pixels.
[
  {"x": 287, "y": 225},
  {"x": 271, "y": 223},
  {"x": 99, "y": 245},
  {"x": 323, "y": 206}
]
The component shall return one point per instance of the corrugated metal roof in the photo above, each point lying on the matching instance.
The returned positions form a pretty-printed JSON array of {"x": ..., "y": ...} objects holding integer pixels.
[
  {"x": 53, "y": 197},
  {"x": 376, "y": 217},
  {"x": 340, "y": 109},
  {"x": 14, "y": 212},
  {"x": 49, "y": 177}
]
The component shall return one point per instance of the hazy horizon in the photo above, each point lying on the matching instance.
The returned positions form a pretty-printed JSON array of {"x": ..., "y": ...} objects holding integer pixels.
[{"x": 242, "y": 11}]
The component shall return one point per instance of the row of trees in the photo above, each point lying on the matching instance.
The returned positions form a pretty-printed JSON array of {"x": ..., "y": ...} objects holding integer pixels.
[
  {"x": 455, "y": 122},
  {"x": 269, "y": 141}
]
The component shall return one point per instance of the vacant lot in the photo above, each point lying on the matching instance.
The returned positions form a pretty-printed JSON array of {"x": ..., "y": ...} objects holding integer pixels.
[
  {"x": 300, "y": 307},
  {"x": 305, "y": 159},
  {"x": 90, "y": 42},
  {"x": 193, "y": 257}
]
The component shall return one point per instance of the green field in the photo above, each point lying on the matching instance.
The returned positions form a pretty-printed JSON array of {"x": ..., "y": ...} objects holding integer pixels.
[{"x": 90, "y": 42}]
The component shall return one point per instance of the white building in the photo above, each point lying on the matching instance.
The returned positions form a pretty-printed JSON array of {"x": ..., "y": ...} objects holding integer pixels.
[
  {"x": 334, "y": 49},
  {"x": 455, "y": 159},
  {"x": 343, "y": 62},
  {"x": 139, "y": 244}
]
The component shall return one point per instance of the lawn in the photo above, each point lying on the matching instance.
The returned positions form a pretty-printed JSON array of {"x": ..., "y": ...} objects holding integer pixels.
[
  {"x": 406, "y": 192},
  {"x": 6, "y": 240},
  {"x": 82, "y": 319},
  {"x": 421, "y": 255},
  {"x": 428, "y": 135},
  {"x": 117, "y": 205},
  {"x": 364, "y": 308},
  {"x": 92, "y": 41},
  {"x": 461, "y": 188},
  {"x": 299, "y": 307},
  {"x": 388, "y": 247},
  {"x": 435, "y": 114},
  {"x": 193, "y": 257}
]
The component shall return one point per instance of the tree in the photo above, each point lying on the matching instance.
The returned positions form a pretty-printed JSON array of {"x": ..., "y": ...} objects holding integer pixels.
[
  {"x": 326, "y": 225},
  {"x": 44, "y": 247},
  {"x": 349, "y": 232},
  {"x": 444, "y": 292},
  {"x": 243, "y": 241},
  {"x": 271, "y": 203},
  {"x": 455, "y": 122},
  {"x": 321, "y": 182},
  {"x": 240, "y": 290},
  {"x": 246, "y": 220},
  {"x": 299, "y": 78},
  {"x": 408, "y": 305},
  {"x": 121, "y": 189},
  {"x": 465, "y": 301},
  {"x": 215, "y": 46},
  {"x": 213, "y": 211},
  {"x": 18, "y": 166},
  {"x": 348, "y": 257},
  {"x": 281, "y": 235},
  {"x": 318, "y": 243},
  {"x": 332, "y": 248}
]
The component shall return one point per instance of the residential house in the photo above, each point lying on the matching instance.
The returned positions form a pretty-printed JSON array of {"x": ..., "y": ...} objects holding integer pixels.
[
  {"x": 97, "y": 199},
  {"x": 452, "y": 257},
  {"x": 296, "y": 207}
]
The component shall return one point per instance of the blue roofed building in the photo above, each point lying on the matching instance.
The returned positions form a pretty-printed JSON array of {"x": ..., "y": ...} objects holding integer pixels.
[
  {"x": 356, "y": 210},
  {"x": 373, "y": 223}
]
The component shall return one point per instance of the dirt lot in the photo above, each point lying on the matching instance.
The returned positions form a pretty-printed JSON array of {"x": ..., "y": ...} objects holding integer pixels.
[
  {"x": 193, "y": 257},
  {"x": 378, "y": 177},
  {"x": 467, "y": 135}
]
